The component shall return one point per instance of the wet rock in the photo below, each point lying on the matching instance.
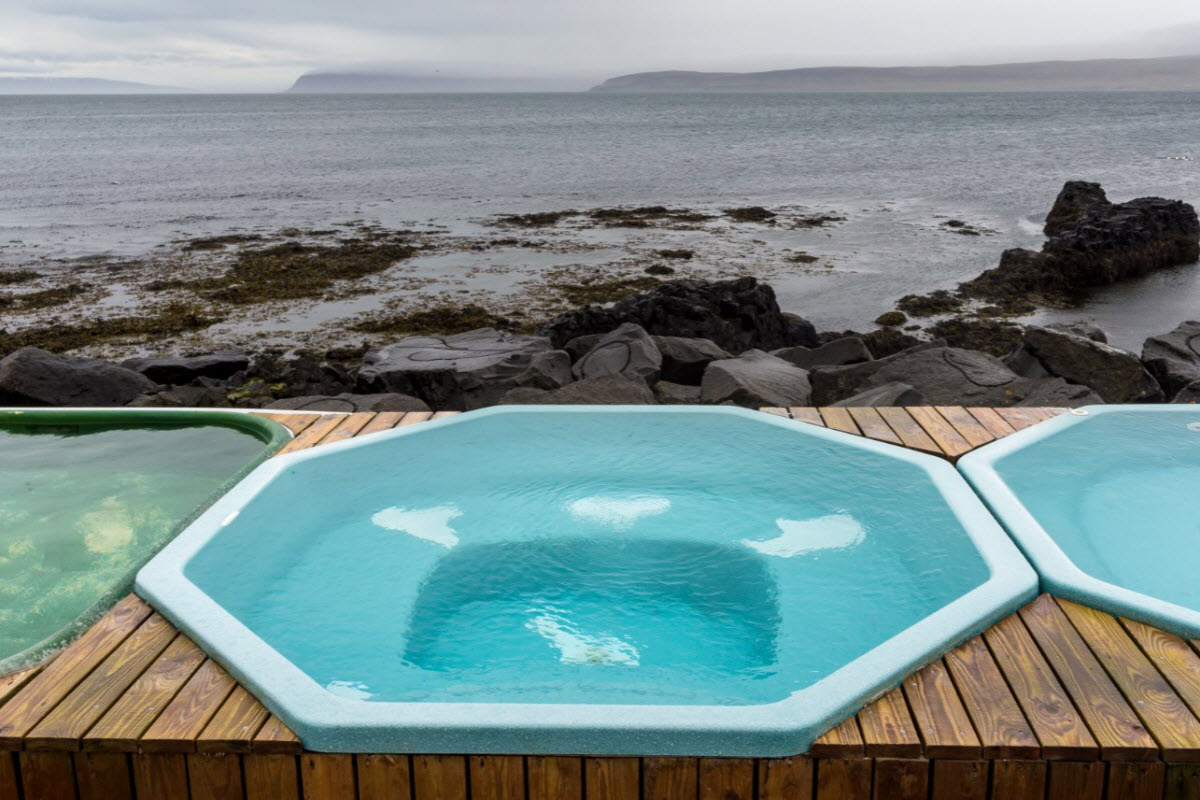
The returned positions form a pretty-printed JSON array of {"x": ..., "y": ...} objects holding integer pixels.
[
  {"x": 185, "y": 397},
  {"x": 1075, "y": 199},
  {"x": 850, "y": 350},
  {"x": 1174, "y": 358},
  {"x": 832, "y": 384},
  {"x": 304, "y": 373},
  {"x": 889, "y": 394},
  {"x": 608, "y": 390},
  {"x": 676, "y": 394},
  {"x": 627, "y": 351},
  {"x": 996, "y": 337},
  {"x": 684, "y": 360},
  {"x": 1115, "y": 375},
  {"x": 466, "y": 371},
  {"x": 349, "y": 403},
  {"x": 891, "y": 318},
  {"x": 737, "y": 315},
  {"x": 33, "y": 377},
  {"x": 951, "y": 376},
  {"x": 179, "y": 370},
  {"x": 548, "y": 370},
  {"x": 578, "y": 347},
  {"x": 1189, "y": 393},
  {"x": 755, "y": 379},
  {"x": 749, "y": 214},
  {"x": 1080, "y": 328}
]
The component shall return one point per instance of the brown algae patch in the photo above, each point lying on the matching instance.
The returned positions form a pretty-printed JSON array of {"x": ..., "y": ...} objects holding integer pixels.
[
  {"x": 168, "y": 320},
  {"x": 13, "y": 277},
  {"x": 441, "y": 319}
]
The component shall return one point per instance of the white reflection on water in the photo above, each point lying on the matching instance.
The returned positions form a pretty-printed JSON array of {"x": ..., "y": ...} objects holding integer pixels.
[
  {"x": 430, "y": 524},
  {"x": 577, "y": 647},
  {"x": 797, "y": 537},
  {"x": 351, "y": 690},
  {"x": 619, "y": 512}
]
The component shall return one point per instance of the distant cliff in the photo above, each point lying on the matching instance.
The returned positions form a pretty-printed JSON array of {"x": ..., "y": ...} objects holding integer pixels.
[
  {"x": 386, "y": 83},
  {"x": 40, "y": 85},
  {"x": 1147, "y": 74}
]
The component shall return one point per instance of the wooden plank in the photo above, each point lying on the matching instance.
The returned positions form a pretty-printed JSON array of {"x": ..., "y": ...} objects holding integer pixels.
[
  {"x": 949, "y": 441},
  {"x": 969, "y": 428},
  {"x": 47, "y": 775},
  {"x": 1178, "y": 663},
  {"x": 293, "y": 422},
  {"x": 437, "y": 777},
  {"x": 12, "y": 682},
  {"x": 271, "y": 777},
  {"x": 138, "y": 707},
  {"x": 160, "y": 776},
  {"x": 383, "y": 777},
  {"x": 1001, "y": 727},
  {"x": 726, "y": 779},
  {"x": 64, "y": 727},
  {"x": 444, "y": 414},
  {"x": 554, "y": 777},
  {"x": 841, "y": 741},
  {"x": 1144, "y": 781},
  {"x": 872, "y": 425},
  {"x": 327, "y": 776},
  {"x": 350, "y": 427},
  {"x": 313, "y": 434},
  {"x": 838, "y": 419},
  {"x": 943, "y": 722},
  {"x": 1182, "y": 782},
  {"x": 805, "y": 414},
  {"x": 176, "y": 729},
  {"x": 779, "y": 412},
  {"x": 215, "y": 776},
  {"x": 1018, "y": 780},
  {"x": 610, "y": 779},
  {"x": 959, "y": 780},
  {"x": 1055, "y": 721},
  {"x": 47, "y": 689},
  {"x": 497, "y": 777},
  {"x": 1075, "y": 780},
  {"x": 993, "y": 422},
  {"x": 103, "y": 776},
  {"x": 1046, "y": 413},
  {"x": 670, "y": 778},
  {"x": 233, "y": 727},
  {"x": 1113, "y": 723},
  {"x": 843, "y": 779},
  {"x": 901, "y": 779},
  {"x": 911, "y": 434},
  {"x": 383, "y": 421},
  {"x": 888, "y": 729},
  {"x": 10, "y": 780},
  {"x": 1164, "y": 714},
  {"x": 785, "y": 778},
  {"x": 413, "y": 417},
  {"x": 275, "y": 738},
  {"x": 1019, "y": 418}
]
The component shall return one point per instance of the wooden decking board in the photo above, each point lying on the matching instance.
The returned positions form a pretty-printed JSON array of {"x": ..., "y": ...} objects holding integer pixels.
[
  {"x": 888, "y": 729},
  {"x": 413, "y": 417},
  {"x": 383, "y": 421},
  {"x": 844, "y": 740},
  {"x": 941, "y": 718},
  {"x": 992, "y": 421},
  {"x": 968, "y": 427},
  {"x": 552, "y": 778},
  {"x": 809, "y": 415},
  {"x": 873, "y": 425},
  {"x": 350, "y": 426},
  {"x": 1002, "y": 729},
  {"x": 276, "y": 738},
  {"x": 233, "y": 728},
  {"x": 293, "y": 422},
  {"x": 11, "y": 683},
  {"x": 911, "y": 434},
  {"x": 838, "y": 419},
  {"x": 1178, "y": 663},
  {"x": 670, "y": 778},
  {"x": 726, "y": 779},
  {"x": 948, "y": 439},
  {"x": 314, "y": 433},
  {"x": 176, "y": 729},
  {"x": 1019, "y": 418}
]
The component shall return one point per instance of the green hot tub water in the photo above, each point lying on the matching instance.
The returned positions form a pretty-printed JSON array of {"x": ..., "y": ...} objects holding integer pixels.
[{"x": 87, "y": 497}]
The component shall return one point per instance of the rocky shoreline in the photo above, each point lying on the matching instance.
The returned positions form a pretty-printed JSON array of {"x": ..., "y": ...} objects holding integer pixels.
[{"x": 649, "y": 337}]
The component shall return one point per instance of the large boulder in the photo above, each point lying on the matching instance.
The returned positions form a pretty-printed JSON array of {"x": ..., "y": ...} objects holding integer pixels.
[
  {"x": 889, "y": 394},
  {"x": 199, "y": 394},
  {"x": 179, "y": 370},
  {"x": 737, "y": 315},
  {"x": 349, "y": 403},
  {"x": 33, "y": 377},
  {"x": 465, "y": 371},
  {"x": 1115, "y": 375},
  {"x": 950, "y": 376},
  {"x": 1189, "y": 393},
  {"x": 1075, "y": 199},
  {"x": 627, "y": 351},
  {"x": 833, "y": 384},
  {"x": 755, "y": 379},
  {"x": 839, "y": 352},
  {"x": 608, "y": 390},
  {"x": 676, "y": 394},
  {"x": 1174, "y": 358},
  {"x": 1081, "y": 328},
  {"x": 684, "y": 360}
]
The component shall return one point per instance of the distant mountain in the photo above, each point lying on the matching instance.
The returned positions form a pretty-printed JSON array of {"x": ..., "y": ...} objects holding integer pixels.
[
  {"x": 388, "y": 83},
  {"x": 1142, "y": 74},
  {"x": 40, "y": 85}
]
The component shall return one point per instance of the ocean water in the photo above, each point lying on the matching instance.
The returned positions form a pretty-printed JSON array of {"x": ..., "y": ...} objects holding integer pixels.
[
  {"x": 81, "y": 176},
  {"x": 621, "y": 567}
]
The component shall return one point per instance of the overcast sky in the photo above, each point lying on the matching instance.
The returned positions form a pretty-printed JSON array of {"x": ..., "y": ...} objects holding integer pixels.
[{"x": 266, "y": 44}]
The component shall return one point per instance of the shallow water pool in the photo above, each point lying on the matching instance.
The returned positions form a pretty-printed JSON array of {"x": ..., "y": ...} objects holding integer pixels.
[{"x": 87, "y": 497}]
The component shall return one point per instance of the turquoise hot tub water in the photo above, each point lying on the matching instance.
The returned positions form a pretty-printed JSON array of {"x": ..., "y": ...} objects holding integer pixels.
[
  {"x": 87, "y": 497},
  {"x": 586, "y": 581},
  {"x": 1105, "y": 501}
]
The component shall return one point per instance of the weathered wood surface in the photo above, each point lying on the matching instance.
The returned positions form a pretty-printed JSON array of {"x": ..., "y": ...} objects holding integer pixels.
[{"x": 1058, "y": 701}]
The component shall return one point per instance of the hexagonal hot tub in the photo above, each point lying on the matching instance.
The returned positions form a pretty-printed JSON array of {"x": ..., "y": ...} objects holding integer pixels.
[{"x": 585, "y": 580}]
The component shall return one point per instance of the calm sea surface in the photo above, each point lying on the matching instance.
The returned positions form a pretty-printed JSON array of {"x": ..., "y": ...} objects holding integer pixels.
[{"x": 120, "y": 175}]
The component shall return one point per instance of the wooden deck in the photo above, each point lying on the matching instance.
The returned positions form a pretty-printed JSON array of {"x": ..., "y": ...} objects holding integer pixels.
[{"x": 1057, "y": 701}]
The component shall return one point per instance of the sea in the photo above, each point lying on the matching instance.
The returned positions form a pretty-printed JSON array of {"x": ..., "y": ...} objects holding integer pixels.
[{"x": 117, "y": 176}]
